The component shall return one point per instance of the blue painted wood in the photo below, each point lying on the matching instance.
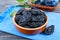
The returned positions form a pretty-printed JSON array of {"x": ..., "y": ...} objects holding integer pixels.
[{"x": 7, "y": 25}]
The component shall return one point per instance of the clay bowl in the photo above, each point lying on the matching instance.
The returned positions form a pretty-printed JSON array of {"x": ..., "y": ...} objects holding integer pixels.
[
  {"x": 43, "y": 7},
  {"x": 30, "y": 30}
]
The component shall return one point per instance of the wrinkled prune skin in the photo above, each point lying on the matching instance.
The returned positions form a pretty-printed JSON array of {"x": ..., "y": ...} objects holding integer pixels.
[
  {"x": 27, "y": 15},
  {"x": 17, "y": 18},
  {"x": 49, "y": 30},
  {"x": 35, "y": 24},
  {"x": 20, "y": 11},
  {"x": 47, "y": 3},
  {"x": 36, "y": 12},
  {"x": 38, "y": 18},
  {"x": 30, "y": 18}
]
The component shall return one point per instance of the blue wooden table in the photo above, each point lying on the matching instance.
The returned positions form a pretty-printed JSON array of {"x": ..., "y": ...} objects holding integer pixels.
[
  {"x": 6, "y": 36},
  {"x": 4, "y": 4}
]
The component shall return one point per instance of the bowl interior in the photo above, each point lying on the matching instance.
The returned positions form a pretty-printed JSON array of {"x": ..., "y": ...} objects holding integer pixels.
[{"x": 30, "y": 28}]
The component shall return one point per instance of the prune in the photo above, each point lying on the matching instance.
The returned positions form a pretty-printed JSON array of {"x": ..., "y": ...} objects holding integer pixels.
[
  {"x": 49, "y": 30},
  {"x": 35, "y": 18},
  {"x": 26, "y": 26},
  {"x": 26, "y": 15},
  {"x": 42, "y": 3},
  {"x": 49, "y": 3},
  {"x": 17, "y": 18},
  {"x": 38, "y": 18},
  {"x": 22, "y": 21},
  {"x": 30, "y": 18},
  {"x": 35, "y": 24},
  {"x": 43, "y": 16},
  {"x": 36, "y": 12},
  {"x": 20, "y": 11}
]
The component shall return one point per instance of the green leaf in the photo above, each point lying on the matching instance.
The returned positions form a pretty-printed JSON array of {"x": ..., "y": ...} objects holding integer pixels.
[
  {"x": 20, "y": 0},
  {"x": 26, "y": 5},
  {"x": 33, "y": 1},
  {"x": 12, "y": 14}
]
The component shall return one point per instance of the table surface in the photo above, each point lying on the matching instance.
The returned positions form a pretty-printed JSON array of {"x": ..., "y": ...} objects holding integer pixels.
[{"x": 4, "y": 4}]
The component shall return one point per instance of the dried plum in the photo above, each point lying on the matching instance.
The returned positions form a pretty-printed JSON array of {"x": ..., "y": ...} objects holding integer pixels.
[
  {"x": 27, "y": 15},
  {"x": 17, "y": 18},
  {"x": 30, "y": 18},
  {"x": 36, "y": 12},
  {"x": 49, "y": 30},
  {"x": 38, "y": 18},
  {"x": 20, "y": 11},
  {"x": 35, "y": 24}
]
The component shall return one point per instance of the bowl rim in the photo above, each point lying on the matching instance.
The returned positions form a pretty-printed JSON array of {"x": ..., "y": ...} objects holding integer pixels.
[
  {"x": 43, "y": 6},
  {"x": 29, "y": 28}
]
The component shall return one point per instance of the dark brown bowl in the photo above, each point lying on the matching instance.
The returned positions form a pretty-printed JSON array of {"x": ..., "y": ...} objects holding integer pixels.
[{"x": 43, "y": 7}]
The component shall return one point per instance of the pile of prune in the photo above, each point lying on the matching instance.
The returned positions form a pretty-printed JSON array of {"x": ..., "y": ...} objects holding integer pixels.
[
  {"x": 47, "y": 2},
  {"x": 32, "y": 18}
]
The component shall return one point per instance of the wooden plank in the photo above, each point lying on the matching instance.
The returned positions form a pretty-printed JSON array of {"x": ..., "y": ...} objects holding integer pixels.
[
  {"x": 6, "y": 36},
  {"x": 3, "y": 5},
  {"x": 57, "y": 8}
]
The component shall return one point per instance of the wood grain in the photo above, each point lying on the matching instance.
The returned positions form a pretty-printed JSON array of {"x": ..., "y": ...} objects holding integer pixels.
[
  {"x": 57, "y": 8},
  {"x": 7, "y": 36},
  {"x": 4, "y": 4}
]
